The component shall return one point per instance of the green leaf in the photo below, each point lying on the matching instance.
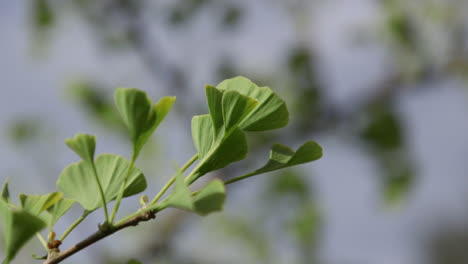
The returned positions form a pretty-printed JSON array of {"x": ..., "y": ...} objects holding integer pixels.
[
  {"x": 36, "y": 204},
  {"x": 77, "y": 180},
  {"x": 235, "y": 108},
  {"x": 180, "y": 197},
  {"x": 233, "y": 148},
  {"x": 214, "y": 98},
  {"x": 282, "y": 157},
  {"x": 5, "y": 194},
  {"x": 84, "y": 145},
  {"x": 18, "y": 227},
  {"x": 211, "y": 198},
  {"x": 271, "y": 111},
  {"x": 139, "y": 114},
  {"x": 202, "y": 134},
  {"x": 58, "y": 210}
]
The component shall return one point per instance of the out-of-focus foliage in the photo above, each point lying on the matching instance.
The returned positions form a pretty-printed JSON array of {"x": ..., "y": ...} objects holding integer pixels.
[
  {"x": 383, "y": 134},
  {"x": 99, "y": 105}
]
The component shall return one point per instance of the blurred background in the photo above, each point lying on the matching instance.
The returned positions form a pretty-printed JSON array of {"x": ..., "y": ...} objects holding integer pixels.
[{"x": 381, "y": 85}]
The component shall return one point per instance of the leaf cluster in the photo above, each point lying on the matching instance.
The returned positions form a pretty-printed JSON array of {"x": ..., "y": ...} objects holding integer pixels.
[{"x": 236, "y": 106}]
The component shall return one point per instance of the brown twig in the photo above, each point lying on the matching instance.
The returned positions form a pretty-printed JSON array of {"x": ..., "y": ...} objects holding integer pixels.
[{"x": 97, "y": 236}]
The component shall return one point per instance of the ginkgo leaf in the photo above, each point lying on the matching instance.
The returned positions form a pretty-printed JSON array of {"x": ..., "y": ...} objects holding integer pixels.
[
  {"x": 233, "y": 148},
  {"x": 36, "y": 204},
  {"x": 282, "y": 157},
  {"x": 84, "y": 145},
  {"x": 207, "y": 200},
  {"x": 139, "y": 114},
  {"x": 18, "y": 227},
  {"x": 214, "y": 99},
  {"x": 202, "y": 134},
  {"x": 180, "y": 197},
  {"x": 211, "y": 198},
  {"x": 271, "y": 111},
  {"x": 78, "y": 183},
  {"x": 58, "y": 210},
  {"x": 235, "y": 108}
]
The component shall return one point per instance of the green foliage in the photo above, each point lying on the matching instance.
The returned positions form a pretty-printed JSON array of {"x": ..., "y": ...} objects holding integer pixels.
[
  {"x": 18, "y": 227},
  {"x": 282, "y": 157},
  {"x": 181, "y": 196},
  {"x": 83, "y": 145},
  {"x": 58, "y": 210},
  {"x": 208, "y": 200},
  {"x": 77, "y": 180},
  {"x": 140, "y": 115},
  {"x": 383, "y": 134},
  {"x": 235, "y": 106},
  {"x": 36, "y": 204}
]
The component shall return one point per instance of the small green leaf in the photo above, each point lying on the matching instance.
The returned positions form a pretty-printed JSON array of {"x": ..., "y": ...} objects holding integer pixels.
[
  {"x": 271, "y": 111},
  {"x": 235, "y": 108},
  {"x": 18, "y": 227},
  {"x": 202, "y": 134},
  {"x": 282, "y": 157},
  {"x": 134, "y": 261},
  {"x": 233, "y": 148},
  {"x": 36, "y": 204},
  {"x": 77, "y": 180},
  {"x": 211, "y": 198},
  {"x": 84, "y": 145},
  {"x": 5, "y": 194},
  {"x": 139, "y": 114},
  {"x": 58, "y": 210},
  {"x": 214, "y": 98},
  {"x": 180, "y": 197}
]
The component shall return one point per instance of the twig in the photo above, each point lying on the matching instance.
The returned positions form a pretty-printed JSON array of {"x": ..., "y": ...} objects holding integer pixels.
[{"x": 97, "y": 236}]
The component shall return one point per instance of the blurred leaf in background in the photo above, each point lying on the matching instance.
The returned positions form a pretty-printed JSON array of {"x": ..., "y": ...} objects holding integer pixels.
[
  {"x": 97, "y": 103},
  {"x": 383, "y": 134}
]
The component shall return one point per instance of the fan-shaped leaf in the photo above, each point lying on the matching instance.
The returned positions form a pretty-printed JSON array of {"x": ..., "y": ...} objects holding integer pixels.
[
  {"x": 36, "y": 204},
  {"x": 139, "y": 114},
  {"x": 235, "y": 108},
  {"x": 84, "y": 145},
  {"x": 58, "y": 210},
  {"x": 18, "y": 227},
  {"x": 282, "y": 157},
  {"x": 233, "y": 148},
  {"x": 180, "y": 197},
  {"x": 271, "y": 111},
  {"x": 211, "y": 198},
  {"x": 214, "y": 98},
  {"x": 202, "y": 134},
  {"x": 77, "y": 180}
]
